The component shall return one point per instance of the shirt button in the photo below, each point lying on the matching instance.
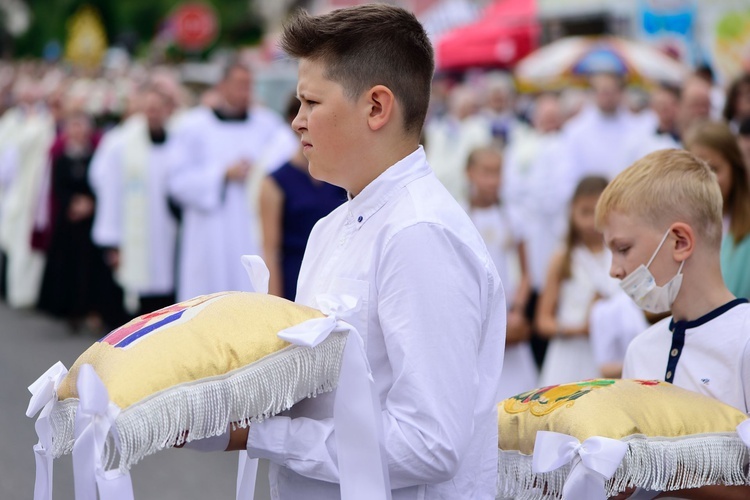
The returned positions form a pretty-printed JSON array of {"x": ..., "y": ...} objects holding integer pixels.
[
  {"x": 674, "y": 352},
  {"x": 359, "y": 219},
  {"x": 669, "y": 374}
]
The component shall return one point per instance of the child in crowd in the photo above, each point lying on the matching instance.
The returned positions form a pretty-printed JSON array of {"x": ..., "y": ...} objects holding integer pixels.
[
  {"x": 662, "y": 220},
  {"x": 714, "y": 143},
  {"x": 502, "y": 237},
  {"x": 432, "y": 315},
  {"x": 577, "y": 277}
]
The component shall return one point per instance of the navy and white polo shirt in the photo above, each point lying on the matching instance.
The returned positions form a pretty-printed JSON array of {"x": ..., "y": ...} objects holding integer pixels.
[{"x": 710, "y": 355}]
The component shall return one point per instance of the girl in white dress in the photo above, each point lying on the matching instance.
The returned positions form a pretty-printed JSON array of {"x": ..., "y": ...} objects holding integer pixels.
[
  {"x": 504, "y": 245},
  {"x": 578, "y": 276}
]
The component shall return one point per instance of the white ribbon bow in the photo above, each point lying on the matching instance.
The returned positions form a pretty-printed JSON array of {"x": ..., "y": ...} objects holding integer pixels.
[
  {"x": 44, "y": 398},
  {"x": 596, "y": 460},
  {"x": 95, "y": 418},
  {"x": 744, "y": 432},
  {"x": 363, "y": 470}
]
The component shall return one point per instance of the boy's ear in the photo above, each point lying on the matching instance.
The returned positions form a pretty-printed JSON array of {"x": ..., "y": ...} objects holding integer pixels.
[
  {"x": 382, "y": 104},
  {"x": 684, "y": 241}
]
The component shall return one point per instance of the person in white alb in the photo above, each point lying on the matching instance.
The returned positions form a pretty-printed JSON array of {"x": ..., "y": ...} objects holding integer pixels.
[
  {"x": 501, "y": 234},
  {"x": 595, "y": 140},
  {"x": 433, "y": 311},
  {"x": 662, "y": 220},
  {"x": 219, "y": 148},
  {"x": 133, "y": 218}
]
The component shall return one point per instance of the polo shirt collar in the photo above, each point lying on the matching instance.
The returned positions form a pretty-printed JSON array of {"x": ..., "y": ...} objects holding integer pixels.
[{"x": 686, "y": 325}]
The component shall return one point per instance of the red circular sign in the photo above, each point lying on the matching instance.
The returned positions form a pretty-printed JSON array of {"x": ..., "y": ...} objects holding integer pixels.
[{"x": 195, "y": 26}]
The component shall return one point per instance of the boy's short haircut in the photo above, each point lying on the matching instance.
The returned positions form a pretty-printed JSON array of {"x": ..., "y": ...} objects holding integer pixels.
[
  {"x": 665, "y": 187},
  {"x": 369, "y": 45}
]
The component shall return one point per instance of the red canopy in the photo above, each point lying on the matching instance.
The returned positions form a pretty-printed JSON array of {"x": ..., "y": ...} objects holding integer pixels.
[{"x": 506, "y": 33}]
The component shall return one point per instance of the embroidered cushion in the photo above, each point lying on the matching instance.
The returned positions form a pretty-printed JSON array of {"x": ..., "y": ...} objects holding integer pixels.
[
  {"x": 675, "y": 438},
  {"x": 199, "y": 365}
]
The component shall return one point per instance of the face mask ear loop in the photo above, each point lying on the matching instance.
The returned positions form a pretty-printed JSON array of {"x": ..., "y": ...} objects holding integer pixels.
[
  {"x": 679, "y": 271},
  {"x": 659, "y": 248}
]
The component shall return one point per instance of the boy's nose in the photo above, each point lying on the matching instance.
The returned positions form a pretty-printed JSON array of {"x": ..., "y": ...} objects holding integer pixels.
[
  {"x": 297, "y": 123},
  {"x": 616, "y": 271}
]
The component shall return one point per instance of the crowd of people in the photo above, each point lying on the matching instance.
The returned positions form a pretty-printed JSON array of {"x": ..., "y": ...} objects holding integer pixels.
[
  {"x": 506, "y": 241},
  {"x": 125, "y": 192},
  {"x": 530, "y": 169}
]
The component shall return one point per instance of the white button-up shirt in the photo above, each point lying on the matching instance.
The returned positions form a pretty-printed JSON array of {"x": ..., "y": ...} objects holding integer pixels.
[
  {"x": 713, "y": 360},
  {"x": 433, "y": 323}
]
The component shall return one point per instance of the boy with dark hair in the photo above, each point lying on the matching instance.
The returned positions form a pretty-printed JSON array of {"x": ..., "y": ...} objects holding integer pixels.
[{"x": 433, "y": 313}]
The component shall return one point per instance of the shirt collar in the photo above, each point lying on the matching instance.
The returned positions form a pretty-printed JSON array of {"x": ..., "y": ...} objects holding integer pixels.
[
  {"x": 376, "y": 194},
  {"x": 685, "y": 325},
  {"x": 224, "y": 117}
]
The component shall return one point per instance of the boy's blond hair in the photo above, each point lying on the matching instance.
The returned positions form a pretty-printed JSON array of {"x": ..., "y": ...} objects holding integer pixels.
[{"x": 665, "y": 187}]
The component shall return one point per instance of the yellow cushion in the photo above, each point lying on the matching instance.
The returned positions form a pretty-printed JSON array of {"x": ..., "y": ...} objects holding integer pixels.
[
  {"x": 611, "y": 408},
  {"x": 203, "y": 337},
  {"x": 686, "y": 439},
  {"x": 197, "y": 366}
]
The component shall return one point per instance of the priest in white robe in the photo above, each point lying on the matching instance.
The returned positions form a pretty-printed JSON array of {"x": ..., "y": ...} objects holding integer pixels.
[
  {"x": 219, "y": 148},
  {"x": 597, "y": 139},
  {"x": 133, "y": 220},
  {"x": 25, "y": 158}
]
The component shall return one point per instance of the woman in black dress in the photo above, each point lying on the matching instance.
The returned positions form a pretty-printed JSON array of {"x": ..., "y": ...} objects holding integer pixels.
[{"x": 77, "y": 285}]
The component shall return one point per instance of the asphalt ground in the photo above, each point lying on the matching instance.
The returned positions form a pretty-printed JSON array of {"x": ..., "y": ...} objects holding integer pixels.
[{"x": 29, "y": 344}]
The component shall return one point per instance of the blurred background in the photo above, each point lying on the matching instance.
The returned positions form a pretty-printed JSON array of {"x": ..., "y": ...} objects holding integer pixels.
[{"x": 531, "y": 98}]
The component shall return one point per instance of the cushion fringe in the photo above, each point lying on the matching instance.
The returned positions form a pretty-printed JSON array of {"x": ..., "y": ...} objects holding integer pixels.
[
  {"x": 659, "y": 464},
  {"x": 207, "y": 407}
]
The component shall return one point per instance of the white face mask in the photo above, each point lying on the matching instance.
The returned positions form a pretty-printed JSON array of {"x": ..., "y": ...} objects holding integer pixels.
[{"x": 641, "y": 286}]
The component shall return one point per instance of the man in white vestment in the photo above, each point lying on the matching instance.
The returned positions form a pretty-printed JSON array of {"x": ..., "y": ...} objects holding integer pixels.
[
  {"x": 695, "y": 103},
  {"x": 499, "y": 109},
  {"x": 133, "y": 218},
  {"x": 218, "y": 148},
  {"x": 102, "y": 158},
  {"x": 449, "y": 140},
  {"x": 28, "y": 132},
  {"x": 596, "y": 139},
  {"x": 665, "y": 132},
  {"x": 537, "y": 187}
]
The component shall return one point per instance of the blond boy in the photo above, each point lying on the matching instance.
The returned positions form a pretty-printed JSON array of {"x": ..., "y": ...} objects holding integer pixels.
[
  {"x": 433, "y": 312},
  {"x": 662, "y": 219}
]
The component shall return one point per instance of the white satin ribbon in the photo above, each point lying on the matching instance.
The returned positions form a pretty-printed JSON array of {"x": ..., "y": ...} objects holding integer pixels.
[
  {"x": 595, "y": 461},
  {"x": 744, "y": 432},
  {"x": 44, "y": 397},
  {"x": 257, "y": 271},
  {"x": 363, "y": 471},
  {"x": 247, "y": 474},
  {"x": 95, "y": 418},
  {"x": 247, "y": 469}
]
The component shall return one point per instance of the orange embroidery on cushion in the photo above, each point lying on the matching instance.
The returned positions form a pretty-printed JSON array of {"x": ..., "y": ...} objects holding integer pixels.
[{"x": 545, "y": 400}]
